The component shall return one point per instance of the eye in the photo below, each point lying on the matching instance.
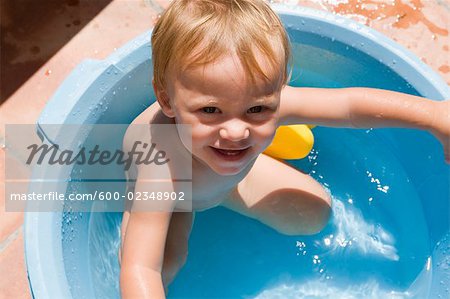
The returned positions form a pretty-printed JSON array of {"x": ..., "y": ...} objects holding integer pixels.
[
  {"x": 256, "y": 109},
  {"x": 209, "y": 109}
]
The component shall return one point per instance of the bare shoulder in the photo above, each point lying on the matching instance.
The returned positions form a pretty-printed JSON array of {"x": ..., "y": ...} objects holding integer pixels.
[
  {"x": 153, "y": 114},
  {"x": 153, "y": 139},
  {"x": 138, "y": 129},
  {"x": 152, "y": 130}
]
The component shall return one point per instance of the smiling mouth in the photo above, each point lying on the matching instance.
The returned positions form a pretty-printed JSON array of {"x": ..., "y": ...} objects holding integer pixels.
[{"x": 230, "y": 154}]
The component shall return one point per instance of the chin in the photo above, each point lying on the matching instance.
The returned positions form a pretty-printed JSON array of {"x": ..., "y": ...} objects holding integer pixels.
[
  {"x": 229, "y": 171},
  {"x": 224, "y": 170}
]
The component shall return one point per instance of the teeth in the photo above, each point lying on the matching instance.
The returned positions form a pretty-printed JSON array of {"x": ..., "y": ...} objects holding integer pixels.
[{"x": 230, "y": 152}]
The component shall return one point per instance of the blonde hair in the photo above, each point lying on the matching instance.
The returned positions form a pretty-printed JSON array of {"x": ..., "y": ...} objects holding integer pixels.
[{"x": 194, "y": 33}]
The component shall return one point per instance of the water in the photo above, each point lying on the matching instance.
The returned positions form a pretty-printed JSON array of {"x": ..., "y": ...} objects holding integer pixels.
[{"x": 375, "y": 245}]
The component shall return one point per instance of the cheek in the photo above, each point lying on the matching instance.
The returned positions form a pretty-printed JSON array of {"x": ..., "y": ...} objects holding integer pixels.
[
  {"x": 263, "y": 136},
  {"x": 202, "y": 134}
]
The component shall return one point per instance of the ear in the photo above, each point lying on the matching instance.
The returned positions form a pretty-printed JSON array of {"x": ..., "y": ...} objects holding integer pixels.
[{"x": 163, "y": 100}]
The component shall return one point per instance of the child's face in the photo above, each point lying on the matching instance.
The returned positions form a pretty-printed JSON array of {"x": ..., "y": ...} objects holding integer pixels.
[{"x": 232, "y": 121}]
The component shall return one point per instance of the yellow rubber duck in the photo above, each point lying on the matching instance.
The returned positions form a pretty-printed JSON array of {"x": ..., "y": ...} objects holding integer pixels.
[{"x": 291, "y": 142}]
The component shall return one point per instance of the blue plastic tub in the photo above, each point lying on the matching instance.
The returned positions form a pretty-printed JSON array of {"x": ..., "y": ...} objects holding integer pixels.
[{"x": 388, "y": 237}]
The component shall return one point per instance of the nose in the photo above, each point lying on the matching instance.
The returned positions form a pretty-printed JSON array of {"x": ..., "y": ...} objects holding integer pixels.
[{"x": 234, "y": 130}]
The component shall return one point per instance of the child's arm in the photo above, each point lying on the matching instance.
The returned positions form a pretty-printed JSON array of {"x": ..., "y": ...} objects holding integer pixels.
[
  {"x": 365, "y": 108},
  {"x": 146, "y": 231},
  {"x": 144, "y": 243},
  {"x": 142, "y": 256}
]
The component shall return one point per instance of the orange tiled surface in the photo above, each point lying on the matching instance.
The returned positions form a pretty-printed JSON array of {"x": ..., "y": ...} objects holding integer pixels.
[
  {"x": 420, "y": 25},
  {"x": 13, "y": 283}
]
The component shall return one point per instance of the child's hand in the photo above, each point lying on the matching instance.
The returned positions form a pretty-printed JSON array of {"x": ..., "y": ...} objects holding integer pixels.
[{"x": 441, "y": 126}]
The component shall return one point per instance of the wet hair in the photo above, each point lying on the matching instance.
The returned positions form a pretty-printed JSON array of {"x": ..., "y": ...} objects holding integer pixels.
[{"x": 192, "y": 33}]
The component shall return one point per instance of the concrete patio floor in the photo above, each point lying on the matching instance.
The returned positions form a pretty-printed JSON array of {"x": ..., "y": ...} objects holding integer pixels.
[{"x": 53, "y": 45}]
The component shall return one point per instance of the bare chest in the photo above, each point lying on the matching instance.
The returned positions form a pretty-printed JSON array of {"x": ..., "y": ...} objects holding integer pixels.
[{"x": 209, "y": 189}]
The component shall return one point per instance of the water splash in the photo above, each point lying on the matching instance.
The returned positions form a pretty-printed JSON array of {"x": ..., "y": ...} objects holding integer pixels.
[{"x": 354, "y": 232}]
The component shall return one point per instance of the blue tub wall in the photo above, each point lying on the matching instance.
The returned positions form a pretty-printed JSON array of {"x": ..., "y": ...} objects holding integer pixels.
[
  {"x": 119, "y": 87},
  {"x": 111, "y": 91},
  {"x": 116, "y": 90}
]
